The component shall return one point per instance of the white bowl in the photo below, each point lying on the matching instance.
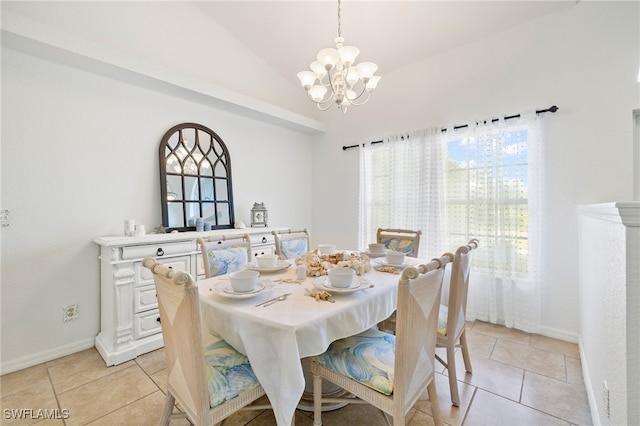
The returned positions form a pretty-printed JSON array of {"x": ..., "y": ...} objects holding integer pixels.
[
  {"x": 244, "y": 281},
  {"x": 394, "y": 257},
  {"x": 376, "y": 248},
  {"x": 326, "y": 248},
  {"x": 341, "y": 277},
  {"x": 267, "y": 260}
]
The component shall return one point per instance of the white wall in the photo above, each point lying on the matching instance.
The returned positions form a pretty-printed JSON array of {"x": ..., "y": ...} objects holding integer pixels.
[
  {"x": 609, "y": 252},
  {"x": 79, "y": 155},
  {"x": 173, "y": 36},
  {"x": 584, "y": 59}
]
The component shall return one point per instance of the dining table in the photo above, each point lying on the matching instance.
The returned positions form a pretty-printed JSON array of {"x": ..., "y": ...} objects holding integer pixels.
[{"x": 275, "y": 337}]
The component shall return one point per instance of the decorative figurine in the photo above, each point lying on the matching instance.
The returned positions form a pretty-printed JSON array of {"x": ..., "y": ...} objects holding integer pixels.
[{"x": 258, "y": 215}]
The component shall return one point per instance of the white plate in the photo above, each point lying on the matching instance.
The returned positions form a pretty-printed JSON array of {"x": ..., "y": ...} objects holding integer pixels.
[
  {"x": 374, "y": 255},
  {"x": 383, "y": 262},
  {"x": 280, "y": 265},
  {"x": 223, "y": 288},
  {"x": 358, "y": 283}
]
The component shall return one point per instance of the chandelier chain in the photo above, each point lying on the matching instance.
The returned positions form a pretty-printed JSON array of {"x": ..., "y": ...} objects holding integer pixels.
[{"x": 339, "y": 29}]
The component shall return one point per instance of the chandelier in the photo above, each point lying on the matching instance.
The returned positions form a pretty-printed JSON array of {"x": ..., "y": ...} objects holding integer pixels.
[{"x": 335, "y": 79}]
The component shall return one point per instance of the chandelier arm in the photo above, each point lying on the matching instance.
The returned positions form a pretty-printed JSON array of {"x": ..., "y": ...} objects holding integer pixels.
[
  {"x": 363, "y": 102},
  {"x": 328, "y": 103},
  {"x": 362, "y": 92},
  {"x": 327, "y": 84}
]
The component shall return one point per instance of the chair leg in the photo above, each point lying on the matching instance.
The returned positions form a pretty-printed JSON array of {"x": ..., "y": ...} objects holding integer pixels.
[
  {"x": 465, "y": 352},
  {"x": 451, "y": 370},
  {"x": 169, "y": 402},
  {"x": 435, "y": 404},
  {"x": 317, "y": 400}
]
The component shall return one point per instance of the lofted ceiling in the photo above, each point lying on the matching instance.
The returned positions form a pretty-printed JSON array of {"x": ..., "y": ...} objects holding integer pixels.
[{"x": 288, "y": 34}]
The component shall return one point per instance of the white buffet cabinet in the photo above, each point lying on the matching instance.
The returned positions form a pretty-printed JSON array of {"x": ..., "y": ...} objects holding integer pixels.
[{"x": 130, "y": 323}]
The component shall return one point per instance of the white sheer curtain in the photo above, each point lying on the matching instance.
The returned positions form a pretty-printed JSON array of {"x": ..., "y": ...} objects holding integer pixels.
[
  {"x": 500, "y": 181},
  {"x": 484, "y": 183},
  {"x": 402, "y": 185}
]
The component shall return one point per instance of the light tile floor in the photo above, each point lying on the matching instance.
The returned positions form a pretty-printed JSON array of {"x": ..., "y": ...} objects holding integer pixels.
[{"x": 518, "y": 379}]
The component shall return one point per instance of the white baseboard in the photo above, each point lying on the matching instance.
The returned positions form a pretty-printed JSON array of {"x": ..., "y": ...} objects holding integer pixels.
[
  {"x": 555, "y": 333},
  {"x": 48, "y": 355},
  {"x": 593, "y": 404}
]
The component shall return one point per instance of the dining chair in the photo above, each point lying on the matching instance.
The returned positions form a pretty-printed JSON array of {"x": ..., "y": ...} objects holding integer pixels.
[
  {"x": 390, "y": 372},
  {"x": 402, "y": 240},
  {"x": 291, "y": 244},
  {"x": 209, "y": 382},
  {"x": 225, "y": 253},
  {"x": 452, "y": 318}
]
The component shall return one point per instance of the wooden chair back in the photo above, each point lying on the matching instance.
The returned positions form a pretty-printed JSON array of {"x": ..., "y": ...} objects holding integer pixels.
[
  {"x": 291, "y": 243},
  {"x": 416, "y": 323},
  {"x": 403, "y": 240},
  {"x": 454, "y": 335},
  {"x": 219, "y": 255},
  {"x": 459, "y": 288},
  {"x": 179, "y": 306}
]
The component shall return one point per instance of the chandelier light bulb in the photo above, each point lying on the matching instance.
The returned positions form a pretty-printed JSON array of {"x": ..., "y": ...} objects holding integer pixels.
[
  {"x": 318, "y": 69},
  {"x": 366, "y": 70},
  {"x": 317, "y": 93},
  {"x": 307, "y": 79},
  {"x": 352, "y": 76},
  {"x": 373, "y": 83},
  {"x": 336, "y": 79},
  {"x": 348, "y": 54},
  {"x": 328, "y": 58}
]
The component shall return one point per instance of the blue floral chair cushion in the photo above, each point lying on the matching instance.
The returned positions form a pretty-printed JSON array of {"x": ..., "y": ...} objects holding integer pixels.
[
  {"x": 226, "y": 259},
  {"x": 367, "y": 358},
  {"x": 402, "y": 245},
  {"x": 228, "y": 373},
  {"x": 293, "y": 248}
]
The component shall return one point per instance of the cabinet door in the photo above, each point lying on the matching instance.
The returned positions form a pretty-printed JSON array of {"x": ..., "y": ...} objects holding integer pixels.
[
  {"x": 144, "y": 298},
  {"x": 146, "y": 324}
]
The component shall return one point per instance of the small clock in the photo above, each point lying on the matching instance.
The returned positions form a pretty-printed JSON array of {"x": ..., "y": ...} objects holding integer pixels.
[{"x": 258, "y": 215}]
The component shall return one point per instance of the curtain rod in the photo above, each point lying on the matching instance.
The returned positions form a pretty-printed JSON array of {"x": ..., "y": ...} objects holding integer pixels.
[{"x": 506, "y": 117}]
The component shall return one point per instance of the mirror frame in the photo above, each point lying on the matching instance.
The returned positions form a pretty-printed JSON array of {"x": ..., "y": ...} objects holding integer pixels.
[{"x": 201, "y": 155}]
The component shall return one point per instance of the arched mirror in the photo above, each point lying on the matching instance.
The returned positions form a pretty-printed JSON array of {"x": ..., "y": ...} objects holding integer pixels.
[{"x": 195, "y": 178}]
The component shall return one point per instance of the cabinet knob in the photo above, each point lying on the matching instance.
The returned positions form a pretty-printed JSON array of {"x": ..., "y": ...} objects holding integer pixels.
[
  {"x": 264, "y": 239},
  {"x": 160, "y": 252},
  {"x": 158, "y": 319}
]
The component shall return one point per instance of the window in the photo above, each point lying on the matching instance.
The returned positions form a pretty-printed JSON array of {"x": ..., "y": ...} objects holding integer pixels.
[
  {"x": 487, "y": 196},
  {"x": 483, "y": 182}
]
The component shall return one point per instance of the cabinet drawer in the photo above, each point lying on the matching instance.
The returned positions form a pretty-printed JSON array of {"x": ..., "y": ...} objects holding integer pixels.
[
  {"x": 145, "y": 276},
  {"x": 157, "y": 250},
  {"x": 144, "y": 298},
  {"x": 260, "y": 250},
  {"x": 146, "y": 324},
  {"x": 257, "y": 239}
]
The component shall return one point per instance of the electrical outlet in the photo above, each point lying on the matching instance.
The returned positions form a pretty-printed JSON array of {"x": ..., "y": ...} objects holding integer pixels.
[
  {"x": 4, "y": 218},
  {"x": 605, "y": 397},
  {"x": 70, "y": 312}
]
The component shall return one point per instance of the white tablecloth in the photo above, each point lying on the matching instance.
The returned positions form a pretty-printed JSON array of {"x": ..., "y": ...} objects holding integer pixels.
[{"x": 276, "y": 337}]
